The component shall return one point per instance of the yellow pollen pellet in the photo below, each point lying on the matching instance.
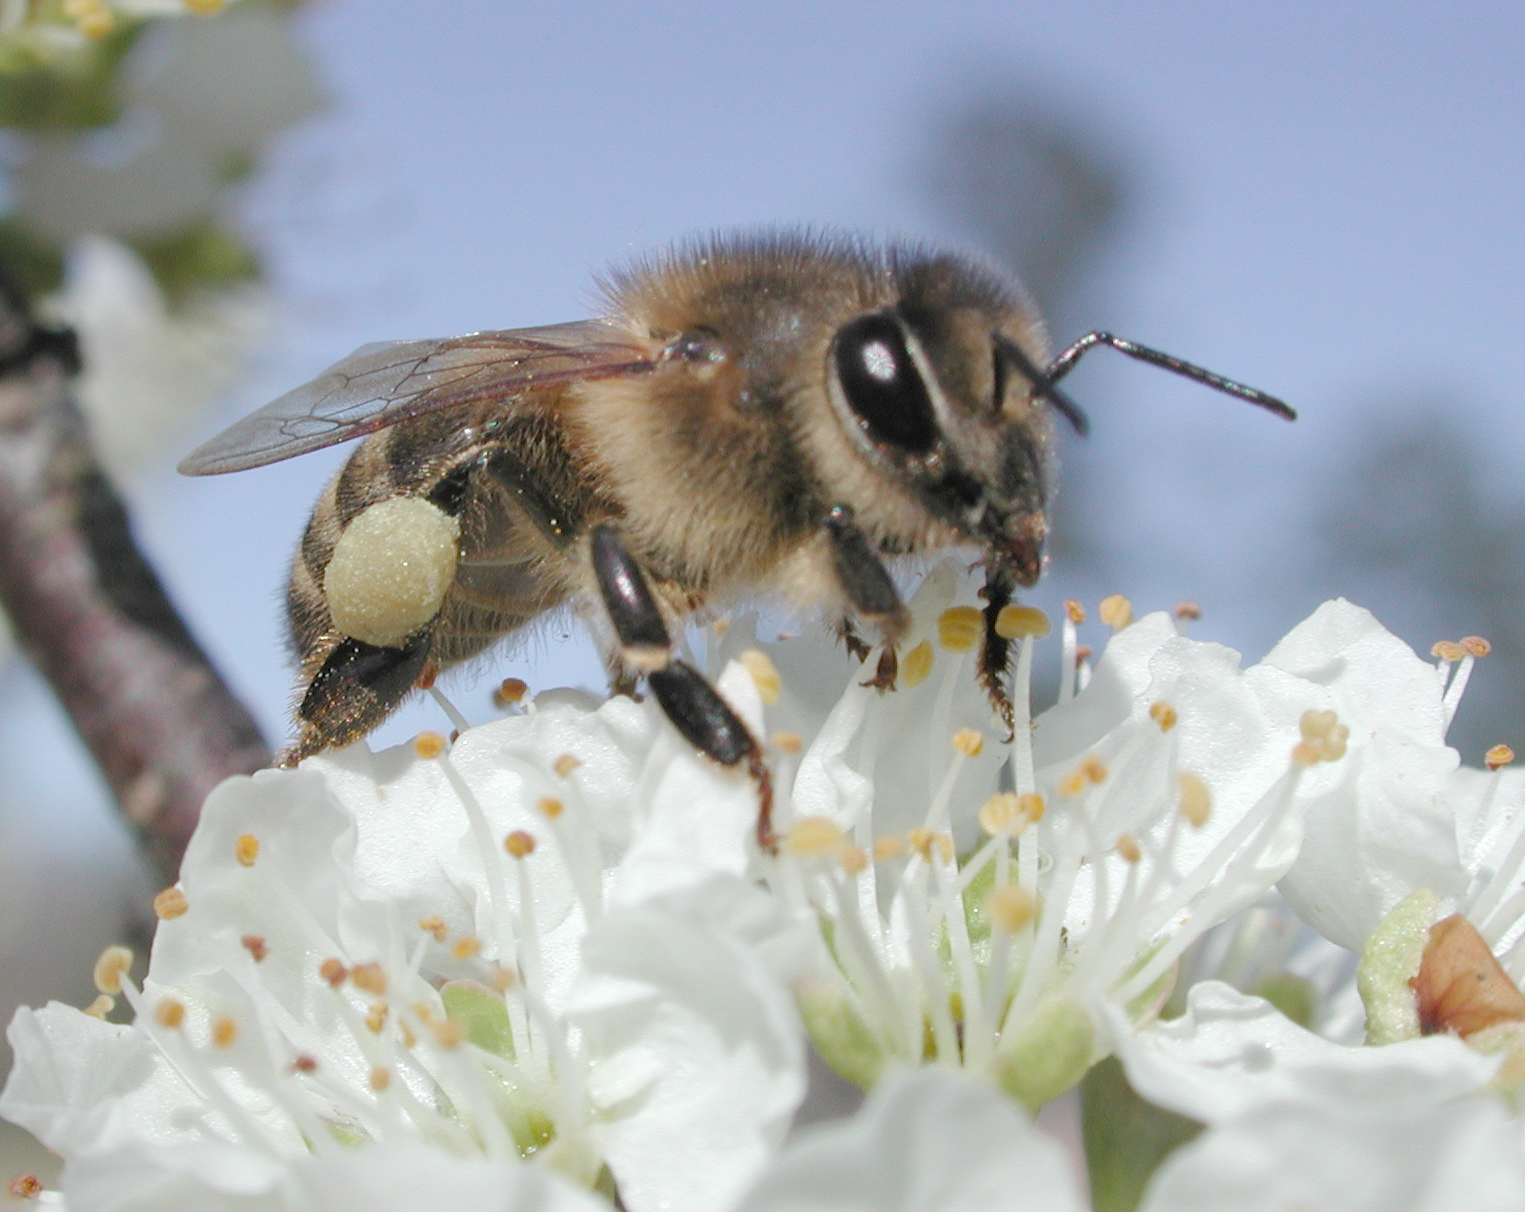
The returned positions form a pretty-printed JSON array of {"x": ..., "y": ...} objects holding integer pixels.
[
  {"x": 1316, "y": 725},
  {"x": 1128, "y": 848},
  {"x": 429, "y": 745},
  {"x": 380, "y": 1079},
  {"x": 1011, "y": 907},
  {"x": 1094, "y": 768},
  {"x": 1196, "y": 799},
  {"x": 1001, "y": 812},
  {"x": 1475, "y": 645},
  {"x": 1188, "y": 611},
  {"x": 25, "y": 1186},
  {"x": 435, "y": 925},
  {"x": 550, "y": 807},
  {"x": 111, "y": 967},
  {"x": 246, "y": 849},
  {"x": 334, "y": 972},
  {"x": 960, "y": 628},
  {"x": 813, "y": 837},
  {"x": 891, "y": 845},
  {"x": 1072, "y": 784},
  {"x": 446, "y": 1033},
  {"x": 969, "y": 741},
  {"x": 1014, "y": 622},
  {"x": 565, "y": 764},
  {"x": 788, "y": 742},
  {"x": 170, "y": 903},
  {"x": 370, "y": 978},
  {"x": 502, "y": 979},
  {"x": 255, "y": 946},
  {"x": 1116, "y": 611},
  {"x": 510, "y": 690},
  {"x": 466, "y": 946},
  {"x": 1498, "y": 756},
  {"x": 1163, "y": 714},
  {"x": 376, "y": 1017},
  {"x": 224, "y": 1031},
  {"x": 851, "y": 859},
  {"x": 519, "y": 844},
  {"x": 103, "y": 1005},
  {"x": 1074, "y": 611},
  {"x": 921, "y": 841},
  {"x": 916, "y": 665},
  {"x": 304, "y": 1064},
  {"x": 169, "y": 1013},
  {"x": 764, "y": 673},
  {"x": 1448, "y": 650}
]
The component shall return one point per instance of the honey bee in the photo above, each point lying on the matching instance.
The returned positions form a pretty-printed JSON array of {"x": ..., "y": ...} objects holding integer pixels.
[{"x": 774, "y": 414}]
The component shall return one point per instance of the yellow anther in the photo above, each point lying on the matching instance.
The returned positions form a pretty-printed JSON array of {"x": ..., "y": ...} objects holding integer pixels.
[
  {"x": 1476, "y": 646},
  {"x": 170, "y": 903},
  {"x": 510, "y": 690},
  {"x": 1116, "y": 611},
  {"x": 466, "y": 946},
  {"x": 1188, "y": 611},
  {"x": 1011, "y": 907},
  {"x": 376, "y": 1017},
  {"x": 380, "y": 1079},
  {"x": 1306, "y": 753},
  {"x": 1331, "y": 748},
  {"x": 370, "y": 978},
  {"x": 169, "y": 1013},
  {"x": 851, "y": 859},
  {"x": 1448, "y": 650},
  {"x": 110, "y": 967},
  {"x": 1074, "y": 611},
  {"x": 565, "y": 764},
  {"x": 304, "y": 1064},
  {"x": 721, "y": 626},
  {"x": 519, "y": 844},
  {"x": 1018, "y": 622},
  {"x": 408, "y": 1038},
  {"x": 764, "y": 673},
  {"x": 429, "y": 745},
  {"x": 1316, "y": 725},
  {"x": 423, "y": 1012},
  {"x": 224, "y": 1031},
  {"x": 944, "y": 842},
  {"x": 550, "y": 807},
  {"x": 103, "y": 1005},
  {"x": 246, "y": 849},
  {"x": 435, "y": 925},
  {"x": 891, "y": 845},
  {"x": 205, "y": 8},
  {"x": 447, "y": 1034},
  {"x": 916, "y": 665},
  {"x": 95, "y": 24},
  {"x": 500, "y": 978},
  {"x": 969, "y": 741},
  {"x": 1032, "y": 806},
  {"x": 1073, "y": 784},
  {"x": 788, "y": 742},
  {"x": 1128, "y": 848},
  {"x": 1196, "y": 799},
  {"x": 1498, "y": 756},
  {"x": 960, "y": 628},
  {"x": 1001, "y": 812},
  {"x": 25, "y": 1186},
  {"x": 1094, "y": 768},
  {"x": 920, "y": 840},
  {"x": 813, "y": 837},
  {"x": 1163, "y": 714},
  {"x": 334, "y": 972}
]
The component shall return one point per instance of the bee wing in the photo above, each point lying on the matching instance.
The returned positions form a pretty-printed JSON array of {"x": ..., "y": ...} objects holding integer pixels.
[{"x": 381, "y": 384}]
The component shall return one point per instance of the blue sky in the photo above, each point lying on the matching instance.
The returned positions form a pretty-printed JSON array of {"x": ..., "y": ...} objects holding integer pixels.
[{"x": 1330, "y": 209}]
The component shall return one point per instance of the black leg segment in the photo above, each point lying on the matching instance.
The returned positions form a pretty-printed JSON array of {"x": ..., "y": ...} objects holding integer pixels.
[
  {"x": 861, "y": 573},
  {"x": 632, "y": 610}
]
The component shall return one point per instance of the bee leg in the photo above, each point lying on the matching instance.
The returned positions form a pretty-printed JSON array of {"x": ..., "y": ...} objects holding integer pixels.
[
  {"x": 995, "y": 653},
  {"x": 356, "y": 688},
  {"x": 867, "y": 584},
  {"x": 695, "y": 707}
]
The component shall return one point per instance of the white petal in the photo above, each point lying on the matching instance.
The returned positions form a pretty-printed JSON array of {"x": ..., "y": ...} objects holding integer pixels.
[{"x": 925, "y": 1141}]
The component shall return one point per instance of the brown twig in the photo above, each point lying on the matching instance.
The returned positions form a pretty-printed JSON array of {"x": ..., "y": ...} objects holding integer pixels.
[{"x": 92, "y": 615}]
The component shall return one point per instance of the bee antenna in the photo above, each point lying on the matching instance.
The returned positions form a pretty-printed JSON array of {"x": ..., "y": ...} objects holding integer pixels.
[
  {"x": 1065, "y": 362},
  {"x": 1042, "y": 382}
]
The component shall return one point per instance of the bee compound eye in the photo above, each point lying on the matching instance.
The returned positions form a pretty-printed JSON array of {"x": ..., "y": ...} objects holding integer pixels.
[{"x": 882, "y": 384}]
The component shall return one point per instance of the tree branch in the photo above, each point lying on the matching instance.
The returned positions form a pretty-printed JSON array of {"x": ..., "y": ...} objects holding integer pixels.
[{"x": 90, "y": 612}]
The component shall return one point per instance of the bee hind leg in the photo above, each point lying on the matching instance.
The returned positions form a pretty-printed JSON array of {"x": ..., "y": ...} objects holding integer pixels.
[
  {"x": 867, "y": 585},
  {"x": 355, "y": 688},
  {"x": 695, "y": 707}
]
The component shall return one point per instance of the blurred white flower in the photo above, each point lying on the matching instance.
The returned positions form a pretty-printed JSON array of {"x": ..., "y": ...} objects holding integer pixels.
[{"x": 524, "y": 946}]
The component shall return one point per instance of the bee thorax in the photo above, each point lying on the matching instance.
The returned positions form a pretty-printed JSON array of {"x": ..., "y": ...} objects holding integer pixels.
[{"x": 391, "y": 569}]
